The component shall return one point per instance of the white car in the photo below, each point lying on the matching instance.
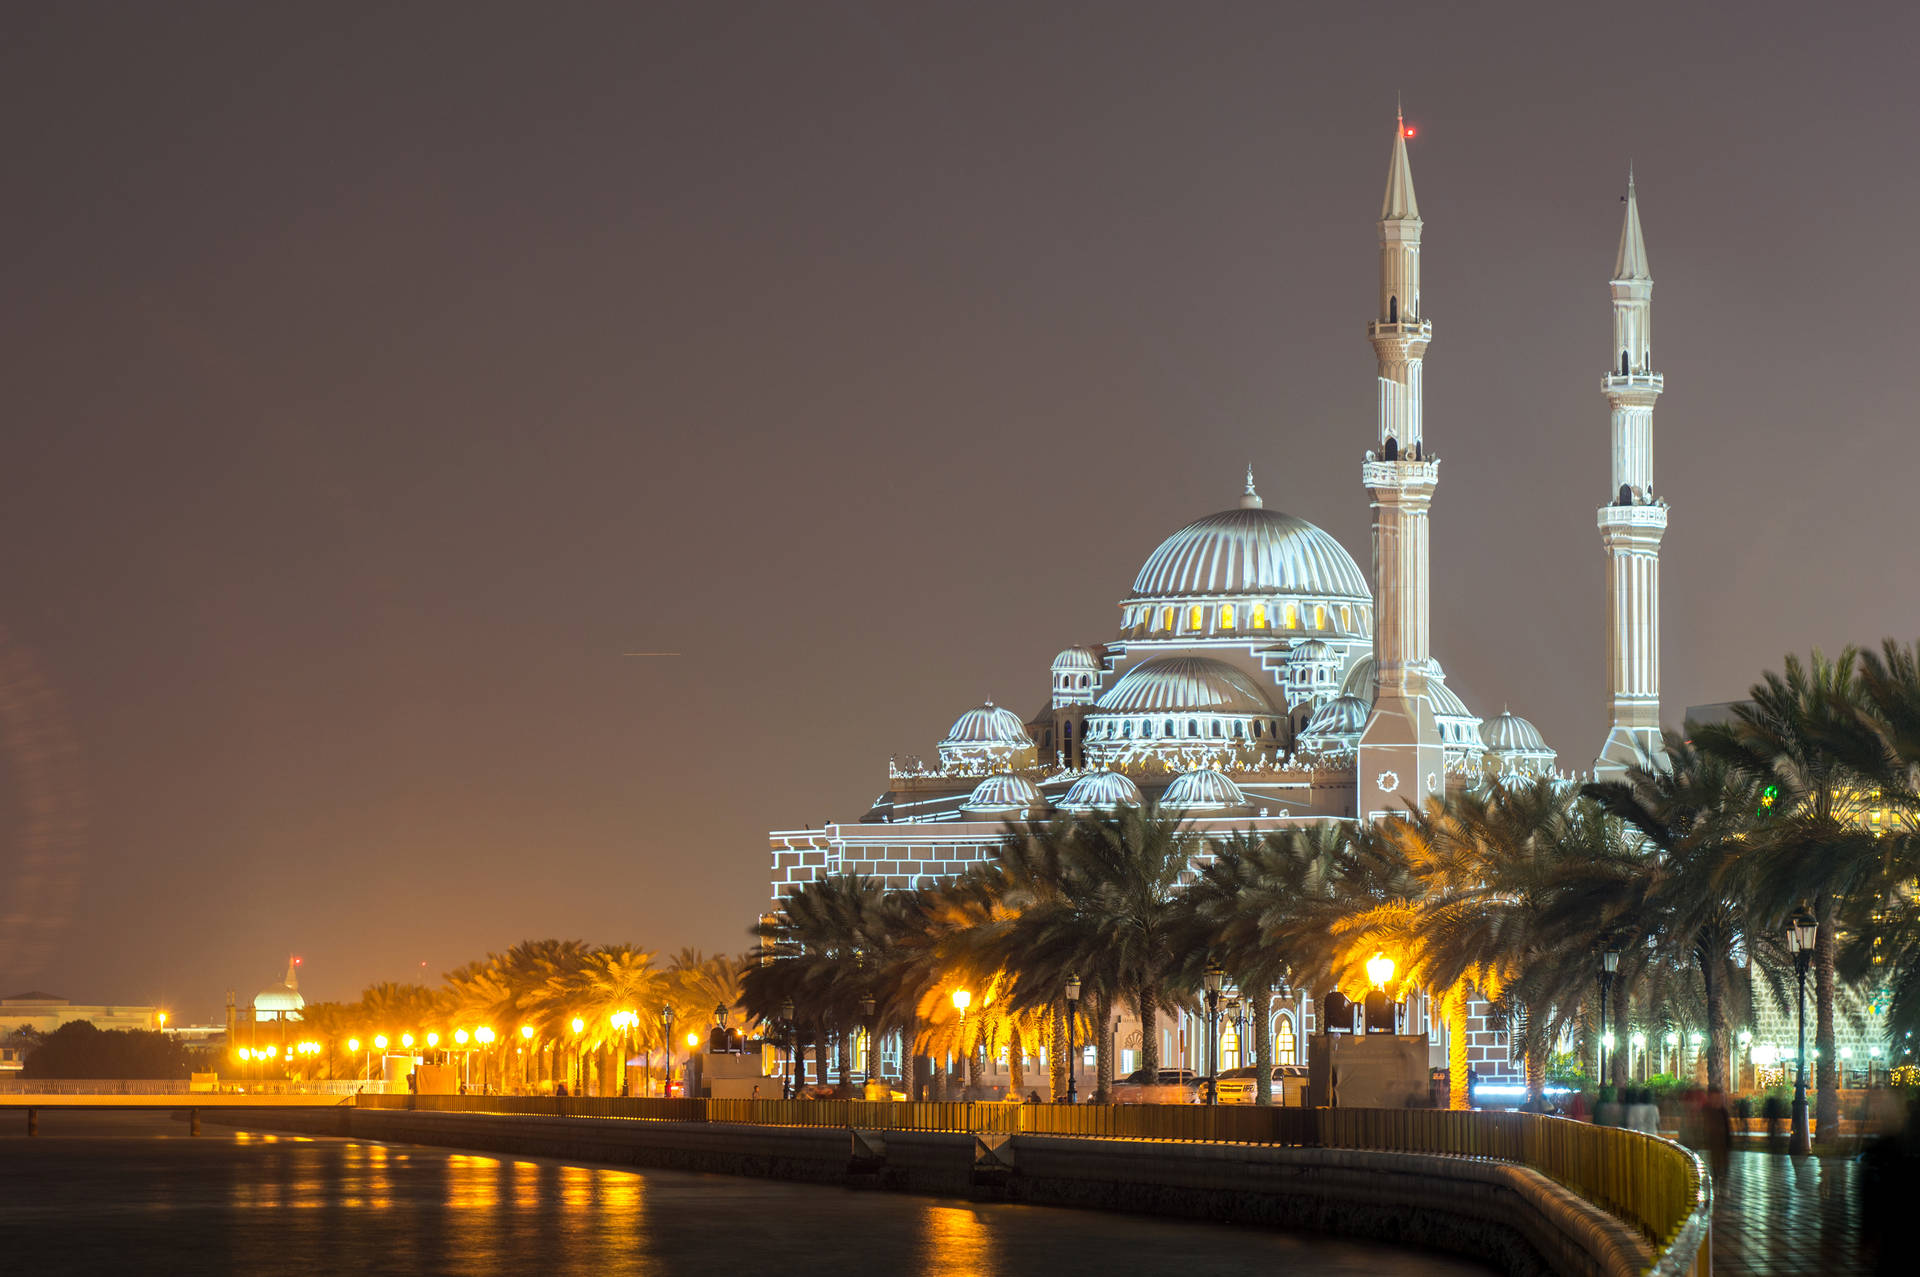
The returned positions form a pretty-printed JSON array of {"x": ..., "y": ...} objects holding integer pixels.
[{"x": 1289, "y": 1085}]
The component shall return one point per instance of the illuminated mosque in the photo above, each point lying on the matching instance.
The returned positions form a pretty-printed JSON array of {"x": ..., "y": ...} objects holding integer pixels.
[{"x": 1257, "y": 681}]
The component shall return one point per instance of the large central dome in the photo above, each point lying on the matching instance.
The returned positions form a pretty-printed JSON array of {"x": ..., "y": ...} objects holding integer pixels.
[{"x": 1250, "y": 551}]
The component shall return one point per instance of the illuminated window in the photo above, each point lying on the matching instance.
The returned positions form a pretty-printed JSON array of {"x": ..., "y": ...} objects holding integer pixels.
[
  {"x": 1260, "y": 616},
  {"x": 1319, "y": 617},
  {"x": 1196, "y": 617},
  {"x": 1283, "y": 1041},
  {"x": 1292, "y": 617},
  {"x": 1226, "y": 616},
  {"x": 1346, "y": 617},
  {"x": 1166, "y": 619}
]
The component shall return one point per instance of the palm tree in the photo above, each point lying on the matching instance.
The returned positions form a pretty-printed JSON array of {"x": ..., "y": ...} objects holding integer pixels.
[
  {"x": 1813, "y": 846},
  {"x": 614, "y": 978},
  {"x": 812, "y": 953}
]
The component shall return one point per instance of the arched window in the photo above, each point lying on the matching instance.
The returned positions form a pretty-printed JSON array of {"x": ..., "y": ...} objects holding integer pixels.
[
  {"x": 1216, "y": 729},
  {"x": 1393, "y": 313},
  {"x": 1285, "y": 1050},
  {"x": 1320, "y": 611},
  {"x": 1126, "y": 730},
  {"x": 1623, "y": 364},
  {"x": 1086, "y": 680},
  {"x": 1256, "y": 730},
  {"x": 1166, "y": 619},
  {"x": 1346, "y": 618},
  {"x": 1171, "y": 731},
  {"x": 1193, "y": 728},
  {"x": 1239, "y": 729},
  {"x": 1066, "y": 728},
  {"x": 1226, "y": 613},
  {"x": 1260, "y": 616},
  {"x": 1290, "y": 618},
  {"x": 1197, "y": 615}
]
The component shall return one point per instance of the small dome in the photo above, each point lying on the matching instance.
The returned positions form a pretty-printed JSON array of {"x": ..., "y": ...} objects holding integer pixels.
[
  {"x": 1312, "y": 650},
  {"x": 1206, "y": 790},
  {"x": 277, "y": 1000},
  {"x": 1445, "y": 703},
  {"x": 988, "y": 725},
  {"x": 1004, "y": 793},
  {"x": 1359, "y": 683},
  {"x": 1077, "y": 660},
  {"x": 1342, "y": 716},
  {"x": 1184, "y": 683},
  {"x": 1359, "y": 679},
  {"x": 1512, "y": 734},
  {"x": 1101, "y": 791}
]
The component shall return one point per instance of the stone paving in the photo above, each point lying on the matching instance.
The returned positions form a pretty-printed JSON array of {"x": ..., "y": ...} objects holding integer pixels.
[{"x": 1776, "y": 1214}]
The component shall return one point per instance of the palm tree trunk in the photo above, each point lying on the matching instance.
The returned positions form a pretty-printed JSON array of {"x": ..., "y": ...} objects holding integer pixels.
[
  {"x": 1459, "y": 1094},
  {"x": 1057, "y": 1051},
  {"x": 1103, "y": 1045},
  {"x": 1016, "y": 1066},
  {"x": 1149, "y": 1037},
  {"x": 820, "y": 1058},
  {"x": 846, "y": 1063},
  {"x": 1826, "y": 1109},
  {"x": 1262, "y": 999},
  {"x": 1710, "y": 977}
]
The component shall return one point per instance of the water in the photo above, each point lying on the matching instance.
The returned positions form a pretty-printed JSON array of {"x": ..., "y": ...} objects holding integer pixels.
[{"x": 133, "y": 1193}]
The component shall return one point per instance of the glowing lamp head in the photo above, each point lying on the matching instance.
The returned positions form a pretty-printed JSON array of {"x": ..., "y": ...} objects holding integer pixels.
[
  {"x": 1380, "y": 970},
  {"x": 1696, "y": 1039},
  {"x": 460, "y": 1037},
  {"x": 962, "y": 1000},
  {"x": 406, "y": 1040},
  {"x": 379, "y": 1041},
  {"x": 579, "y": 1025},
  {"x": 1673, "y": 1039},
  {"x": 353, "y": 1046},
  {"x": 693, "y": 1039},
  {"x": 1639, "y": 1040},
  {"x": 244, "y": 1054},
  {"x": 162, "y": 1017},
  {"x": 433, "y": 1039},
  {"x": 273, "y": 1053},
  {"x": 1606, "y": 1040},
  {"x": 483, "y": 1035},
  {"x": 526, "y": 1031}
]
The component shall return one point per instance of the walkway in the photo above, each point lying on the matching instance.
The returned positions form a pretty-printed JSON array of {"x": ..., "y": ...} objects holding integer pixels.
[{"x": 1776, "y": 1214}]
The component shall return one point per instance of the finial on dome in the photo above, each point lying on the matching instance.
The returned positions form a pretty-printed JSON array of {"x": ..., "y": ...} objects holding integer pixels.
[{"x": 1250, "y": 499}]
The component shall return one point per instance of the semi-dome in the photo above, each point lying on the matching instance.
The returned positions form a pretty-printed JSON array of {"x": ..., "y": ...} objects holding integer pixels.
[
  {"x": 1250, "y": 550},
  {"x": 1340, "y": 720},
  {"x": 1077, "y": 660},
  {"x": 1003, "y": 793},
  {"x": 1204, "y": 790},
  {"x": 1100, "y": 791},
  {"x": 990, "y": 724},
  {"x": 1512, "y": 734},
  {"x": 1359, "y": 682},
  {"x": 1184, "y": 683}
]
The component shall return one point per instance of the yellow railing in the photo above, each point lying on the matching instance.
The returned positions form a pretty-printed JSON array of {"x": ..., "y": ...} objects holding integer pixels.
[{"x": 1650, "y": 1182}]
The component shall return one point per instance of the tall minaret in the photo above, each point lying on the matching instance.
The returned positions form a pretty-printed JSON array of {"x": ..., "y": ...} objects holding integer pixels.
[
  {"x": 1402, "y": 761},
  {"x": 1634, "y": 519}
]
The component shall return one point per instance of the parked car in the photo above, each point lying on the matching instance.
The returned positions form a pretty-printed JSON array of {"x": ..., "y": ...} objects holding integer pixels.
[
  {"x": 1170, "y": 1086},
  {"x": 1288, "y": 1085}
]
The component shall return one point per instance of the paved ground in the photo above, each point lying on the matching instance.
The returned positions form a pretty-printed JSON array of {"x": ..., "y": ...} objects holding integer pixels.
[{"x": 1776, "y": 1214}]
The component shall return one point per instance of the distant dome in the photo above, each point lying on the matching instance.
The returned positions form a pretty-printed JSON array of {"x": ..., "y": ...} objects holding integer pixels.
[
  {"x": 1184, "y": 683},
  {"x": 1312, "y": 650},
  {"x": 1077, "y": 660},
  {"x": 1512, "y": 734},
  {"x": 988, "y": 725},
  {"x": 278, "y": 1000},
  {"x": 1341, "y": 719},
  {"x": 1359, "y": 679},
  {"x": 1203, "y": 791},
  {"x": 1251, "y": 550},
  {"x": 1004, "y": 793},
  {"x": 1359, "y": 682},
  {"x": 1445, "y": 703},
  {"x": 1100, "y": 791}
]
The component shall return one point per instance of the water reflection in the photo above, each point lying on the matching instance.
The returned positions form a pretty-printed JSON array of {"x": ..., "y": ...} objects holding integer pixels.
[{"x": 120, "y": 1200}]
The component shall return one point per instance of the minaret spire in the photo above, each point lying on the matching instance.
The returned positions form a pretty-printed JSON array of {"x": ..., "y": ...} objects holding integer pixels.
[
  {"x": 1402, "y": 760},
  {"x": 1634, "y": 521},
  {"x": 1250, "y": 499}
]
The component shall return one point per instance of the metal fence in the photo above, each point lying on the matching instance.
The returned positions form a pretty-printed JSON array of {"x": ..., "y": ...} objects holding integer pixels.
[
  {"x": 1648, "y": 1181},
  {"x": 171, "y": 1086}
]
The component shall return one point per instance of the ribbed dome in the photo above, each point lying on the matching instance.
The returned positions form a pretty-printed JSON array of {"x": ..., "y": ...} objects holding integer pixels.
[
  {"x": 1077, "y": 660},
  {"x": 1359, "y": 683},
  {"x": 1250, "y": 551},
  {"x": 988, "y": 725},
  {"x": 1004, "y": 792},
  {"x": 1445, "y": 703},
  {"x": 1359, "y": 679},
  {"x": 1184, "y": 683},
  {"x": 1312, "y": 650},
  {"x": 278, "y": 997},
  {"x": 1203, "y": 791},
  {"x": 1341, "y": 716},
  {"x": 1101, "y": 791},
  {"x": 1511, "y": 734}
]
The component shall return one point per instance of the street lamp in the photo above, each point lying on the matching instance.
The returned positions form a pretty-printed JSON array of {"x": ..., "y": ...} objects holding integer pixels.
[
  {"x": 526, "y": 1061},
  {"x": 1211, "y": 979},
  {"x": 579, "y": 1061},
  {"x": 1609, "y": 963},
  {"x": 666, "y": 1019},
  {"x": 961, "y": 1001},
  {"x": 1802, "y": 934},
  {"x": 1639, "y": 1043},
  {"x": 1379, "y": 1003},
  {"x": 624, "y": 1021},
  {"x": 1073, "y": 1014},
  {"x": 791, "y": 1091},
  {"x": 869, "y": 1009}
]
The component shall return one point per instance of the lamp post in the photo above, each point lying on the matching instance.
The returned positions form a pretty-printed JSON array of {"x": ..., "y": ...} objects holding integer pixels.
[
  {"x": 666, "y": 1019},
  {"x": 526, "y": 1061},
  {"x": 869, "y": 1007},
  {"x": 1609, "y": 963},
  {"x": 961, "y": 1001},
  {"x": 791, "y": 1090},
  {"x": 1380, "y": 1014},
  {"x": 1211, "y": 979},
  {"x": 1802, "y": 933},
  {"x": 1073, "y": 1013},
  {"x": 579, "y": 1061}
]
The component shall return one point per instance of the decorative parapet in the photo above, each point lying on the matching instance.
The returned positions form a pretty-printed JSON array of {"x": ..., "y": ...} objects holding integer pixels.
[
  {"x": 1651, "y": 515},
  {"x": 1647, "y": 383}
]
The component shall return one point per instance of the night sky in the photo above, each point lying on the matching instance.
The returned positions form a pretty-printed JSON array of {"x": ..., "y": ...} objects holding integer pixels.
[{"x": 375, "y": 379}]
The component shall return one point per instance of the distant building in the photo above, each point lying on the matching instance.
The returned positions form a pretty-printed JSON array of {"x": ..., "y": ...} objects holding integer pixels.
[{"x": 45, "y": 1012}]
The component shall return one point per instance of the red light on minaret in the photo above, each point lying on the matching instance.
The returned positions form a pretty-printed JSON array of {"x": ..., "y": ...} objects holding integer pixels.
[{"x": 1409, "y": 130}]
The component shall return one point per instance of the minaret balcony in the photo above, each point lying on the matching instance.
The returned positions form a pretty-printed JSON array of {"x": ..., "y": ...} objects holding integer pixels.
[
  {"x": 1399, "y": 475},
  {"x": 1404, "y": 330},
  {"x": 1629, "y": 382}
]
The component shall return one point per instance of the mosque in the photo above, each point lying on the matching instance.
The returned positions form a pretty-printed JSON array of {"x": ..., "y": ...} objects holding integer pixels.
[{"x": 1259, "y": 679}]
